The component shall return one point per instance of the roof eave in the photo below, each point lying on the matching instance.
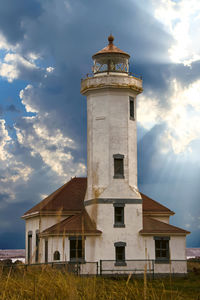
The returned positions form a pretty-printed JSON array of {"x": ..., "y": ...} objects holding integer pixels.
[
  {"x": 30, "y": 215},
  {"x": 71, "y": 234},
  {"x": 158, "y": 213},
  {"x": 51, "y": 213},
  {"x": 98, "y": 54},
  {"x": 164, "y": 233}
]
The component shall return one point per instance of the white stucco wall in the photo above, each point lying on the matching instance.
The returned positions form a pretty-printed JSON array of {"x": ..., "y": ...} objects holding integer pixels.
[
  {"x": 102, "y": 247},
  {"x": 110, "y": 131},
  {"x": 56, "y": 243},
  {"x": 32, "y": 225},
  {"x": 177, "y": 248},
  {"x": 39, "y": 223}
]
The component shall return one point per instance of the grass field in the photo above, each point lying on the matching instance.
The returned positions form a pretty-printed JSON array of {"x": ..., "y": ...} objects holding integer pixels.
[{"x": 47, "y": 283}]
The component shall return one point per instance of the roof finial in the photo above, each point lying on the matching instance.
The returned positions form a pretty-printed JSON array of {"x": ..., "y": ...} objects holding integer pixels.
[{"x": 111, "y": 39}]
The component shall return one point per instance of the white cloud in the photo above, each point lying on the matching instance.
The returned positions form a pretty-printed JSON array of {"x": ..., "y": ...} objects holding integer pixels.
[
  {"x": 8, "y": 71},
  {"x": 148, "y": 110},
  {"x": 26, "y": 95},
  {"x": 18, "y": 172},
  {"x": 13, "y": 170},
  {"x": 44, "y": 140},
  {"x": 182, "y": 20},
  {"x": 43, "y": 196},
  {"x": 181, "y": 116},
  {"x": 4, "y": 140},
  {"x": 12, "y": 64},
  {"x": 51, "y": 146},
  {"x": 4, "y": 45},
  {"x": 49, "y": 69}
]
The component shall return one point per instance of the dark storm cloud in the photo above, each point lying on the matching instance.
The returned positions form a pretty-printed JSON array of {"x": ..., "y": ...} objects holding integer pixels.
[
  {"x": 4, "y": 196},
  {"x": 172, "y": 180},
  {"x": 12, "y": 108},
  {"x": 13, "y": 239},
  {"x": 12, "y": 16},
  {"x": 185, "y": 74},
  {"x": 69, "y": 41},
  {"x": 156, "y": 166}
]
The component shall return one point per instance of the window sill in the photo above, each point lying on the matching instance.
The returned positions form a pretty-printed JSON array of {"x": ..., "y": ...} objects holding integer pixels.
[
  {"x": 120, "y": 263},
  {"x": 132, "y": 118},
  {"x": 162, "y": 261},
  {"x": 77, "y": 261},
  {"x": 118, "y": 177},
  {"x": 119, "y": 225}
]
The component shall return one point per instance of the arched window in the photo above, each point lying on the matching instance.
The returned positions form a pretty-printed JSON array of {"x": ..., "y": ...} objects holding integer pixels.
[{"x": 56, "y": 255}]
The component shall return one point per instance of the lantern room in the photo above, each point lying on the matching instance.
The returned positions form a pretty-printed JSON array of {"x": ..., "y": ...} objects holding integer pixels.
[{"x": 111, "y": 60}]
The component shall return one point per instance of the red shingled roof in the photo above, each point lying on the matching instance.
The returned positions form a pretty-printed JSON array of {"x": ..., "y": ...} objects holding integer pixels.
[
  {"x": 150, "y": 205},
  {"x": 77, "y": 224},
  {"x": 70, "y": 197},
  {"x": 152, "y": 226}
]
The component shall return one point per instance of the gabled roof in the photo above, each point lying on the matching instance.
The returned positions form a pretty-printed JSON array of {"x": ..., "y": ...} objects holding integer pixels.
[
  {"x": 78, "y": 224},
  {"x": 70, "y": 198},
  {"x": 152, "y": 226},
  {"x": 150, "y": 205}
]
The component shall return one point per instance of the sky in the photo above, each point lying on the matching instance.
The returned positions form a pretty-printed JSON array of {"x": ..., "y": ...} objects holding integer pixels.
[{"x": 45, "y": 49}]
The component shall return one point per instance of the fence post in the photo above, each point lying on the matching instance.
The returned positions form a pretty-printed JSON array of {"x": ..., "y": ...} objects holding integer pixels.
[
  {"x": 97, "y": 268},
  {"x": 153, "y": 267},
  {"x": 100, "y": 267}
]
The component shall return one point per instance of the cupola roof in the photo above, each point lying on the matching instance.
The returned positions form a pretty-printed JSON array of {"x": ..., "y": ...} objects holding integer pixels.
[{"x": 110, "y": 49}]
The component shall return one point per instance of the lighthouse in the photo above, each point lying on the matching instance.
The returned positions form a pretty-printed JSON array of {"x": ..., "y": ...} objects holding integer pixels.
[
  {"x": 112, "y": 198},
  {"x": 101, "y": 222}
]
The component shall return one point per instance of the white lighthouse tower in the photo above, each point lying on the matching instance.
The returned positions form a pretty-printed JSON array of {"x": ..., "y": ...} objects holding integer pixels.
[
  {"x": 103, "y": 220},
  {"x": 112, "y": 198}
]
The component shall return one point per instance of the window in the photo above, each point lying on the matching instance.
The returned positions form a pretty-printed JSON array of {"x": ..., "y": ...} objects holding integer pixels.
[
  {"x": 46, "y": 250},
  {"x": 119, "y": 215},
  {"x": 118, "y": 166},
  {"x": 37, "y": 241},
  {"x": 29, "y": 246},
  {"x": 77, "y": 251},
  {"x": 162, "y": 248},
  {"x": 120, "y": 254},
  {"x": 132, "y": 108},
  {"x": 56, "y": 255}
]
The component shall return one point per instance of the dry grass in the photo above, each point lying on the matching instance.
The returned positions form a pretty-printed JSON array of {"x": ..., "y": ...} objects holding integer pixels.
[{"x": 46, "y": 283}]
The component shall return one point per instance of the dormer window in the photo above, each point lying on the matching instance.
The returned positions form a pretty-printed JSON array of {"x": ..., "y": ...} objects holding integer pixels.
[{"x": 118, "y": 166}]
